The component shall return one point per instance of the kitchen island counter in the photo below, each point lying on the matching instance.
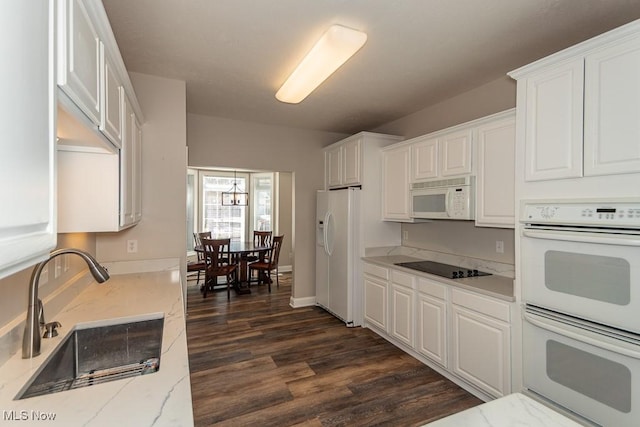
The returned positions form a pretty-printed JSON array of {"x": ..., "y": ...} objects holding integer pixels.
[
  {"x": 159, "y": 399},
  {"x": 495, "y": 286},
  {"x": 513, "y": 410}
]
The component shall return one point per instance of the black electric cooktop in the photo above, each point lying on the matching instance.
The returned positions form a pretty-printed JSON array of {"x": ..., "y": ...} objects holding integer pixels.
[{"x": 443, "y": 270}]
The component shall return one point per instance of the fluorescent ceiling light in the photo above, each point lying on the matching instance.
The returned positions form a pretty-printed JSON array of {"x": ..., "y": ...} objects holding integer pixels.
[{"x": 332, "y": 50}]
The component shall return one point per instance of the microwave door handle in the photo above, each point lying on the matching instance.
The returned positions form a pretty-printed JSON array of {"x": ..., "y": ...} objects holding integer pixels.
[
  {"x": 583, "y": 237},
  {"x": 550, "y": 325},
  {"x": 447, "y": 203}
]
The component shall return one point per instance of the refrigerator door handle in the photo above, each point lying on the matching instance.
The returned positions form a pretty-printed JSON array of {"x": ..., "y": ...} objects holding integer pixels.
[{"x": 328, "y": 233}]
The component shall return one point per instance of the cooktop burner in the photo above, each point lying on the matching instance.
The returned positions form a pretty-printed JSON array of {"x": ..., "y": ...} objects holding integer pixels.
[{"x": 443, "y": 270}]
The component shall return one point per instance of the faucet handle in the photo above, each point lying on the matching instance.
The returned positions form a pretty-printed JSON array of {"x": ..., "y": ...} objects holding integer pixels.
[{"x": 50, "y": 330}]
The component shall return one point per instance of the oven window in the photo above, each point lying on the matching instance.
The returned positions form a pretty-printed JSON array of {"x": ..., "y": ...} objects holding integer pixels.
[
  {"x": 430, "y": 203},
  {"x": 601, "y": 379},
  {"x": 596, "y": 277}
]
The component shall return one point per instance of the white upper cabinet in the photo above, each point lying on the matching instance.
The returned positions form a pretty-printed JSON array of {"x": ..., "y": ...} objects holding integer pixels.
[
  {"x": 111, "y": 123},
  {"x": 612, "y": 109},
  {"x": 79, "y": 58},
  {"x": 424, "y": 159},
  {"x": 344, "y": 161},
  {"x": 351, "y": 161},
  {"x": 580, "y": 108},
  {"x": 441, "y": 155},
  {"x": 455, "y": 153},
  {"x": 495, "y": 180},
  {"x": 553, "y": 144},
  {"x": 27, "y": 119},
  {"x": 333, "y": 167},
  {"x": 396, "y": 174}
]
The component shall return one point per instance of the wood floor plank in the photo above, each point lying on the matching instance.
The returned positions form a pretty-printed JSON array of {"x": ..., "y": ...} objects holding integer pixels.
[{"x": 256, "y": 361}]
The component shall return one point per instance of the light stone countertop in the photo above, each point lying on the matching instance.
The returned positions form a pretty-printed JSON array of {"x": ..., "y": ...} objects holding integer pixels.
[
  {"x": 495, "y": 286},
  {"x": 513, "y": 410},
  {"x": 159, "y": 399}
]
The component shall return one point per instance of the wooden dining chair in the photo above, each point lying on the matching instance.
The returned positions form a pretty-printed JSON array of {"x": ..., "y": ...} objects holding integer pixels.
[
  {"x": 198, "y": 265},
  {"x": 216, "y": 257},
  {"x": 264, "y": 267},
  {"x": 260, "y": 238}
]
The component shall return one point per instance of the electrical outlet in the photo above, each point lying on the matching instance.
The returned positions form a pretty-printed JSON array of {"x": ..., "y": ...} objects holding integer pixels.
[
  {"x": 405, "y": 235},
  {"x": 44, "y": 275},
  {"x": 499, "y": 246},
  {"x": 57, "y": 270},
  {"x": 132, "y": 246}
]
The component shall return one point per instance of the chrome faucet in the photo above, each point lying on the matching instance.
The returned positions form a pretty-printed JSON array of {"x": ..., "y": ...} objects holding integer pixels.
[{"x": 35, "y": 312}]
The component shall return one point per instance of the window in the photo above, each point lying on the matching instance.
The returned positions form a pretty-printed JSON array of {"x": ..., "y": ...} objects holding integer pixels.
[
  {"x": 262, "y": 199},
  {"x": 222, "y": 221}
]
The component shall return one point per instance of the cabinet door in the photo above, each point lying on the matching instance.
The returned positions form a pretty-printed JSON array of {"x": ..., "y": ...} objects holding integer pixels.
[
  {"x": 375, "y": 302},
  {"x": 27, "y": 120},
  {"x": 111, "y": 122},
  {"x": 424, "y": 156},
  {"x": 137, "y": 169},
  {"x": 612, "y": 110},
  {"x": 432, "y": 328},
  {"x": 351, "y": 162},
  {"x": 495, "y": 201},
  {"x": 401, "y": 310},
  {"x": 481, "y": 351},
  {"x": 127, "y": 154},
  {"x": 79, "y": 58},
  {"x": 396, "y": 201},
  {"x": 455, "y": 153},
  {"x": 333, "y": 165},
  {"x": 553, "y": 135}
]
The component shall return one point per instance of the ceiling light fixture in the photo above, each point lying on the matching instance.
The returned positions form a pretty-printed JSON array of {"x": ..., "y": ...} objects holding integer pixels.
[
  {"x": 233, "y": 197},
  {"x": 333, "y": 49}
]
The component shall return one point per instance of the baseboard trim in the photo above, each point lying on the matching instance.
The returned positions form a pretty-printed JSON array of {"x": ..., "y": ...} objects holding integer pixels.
[
  {"x": 302, "y": 302},
  {"x": 285, "y": 269}
]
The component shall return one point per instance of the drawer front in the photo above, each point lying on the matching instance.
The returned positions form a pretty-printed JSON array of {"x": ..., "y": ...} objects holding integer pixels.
[
  {"x": 403, "y": 279},
  {"x": 432, "y": 288},
  {"x": 376, "y": 270},
  {"x": 481, "y": 304}
]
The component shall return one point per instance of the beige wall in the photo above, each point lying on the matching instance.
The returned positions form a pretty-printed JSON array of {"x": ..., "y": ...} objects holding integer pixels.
[
  {"x": 285, "y": 216},
  {"x": 459, "y": 237},
  {"x": 493, "y": 97},
  {"x": 162, "y": 230},
  {"x": 219, "y": 142},
  {"x": 14, "y": 290}
]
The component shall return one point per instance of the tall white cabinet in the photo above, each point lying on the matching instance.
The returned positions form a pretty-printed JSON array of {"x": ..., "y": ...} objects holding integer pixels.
[
  {"x": 99, "y": 180},
  {"x": 580, "y": 108},
  {"x": 27, "y": 120}
]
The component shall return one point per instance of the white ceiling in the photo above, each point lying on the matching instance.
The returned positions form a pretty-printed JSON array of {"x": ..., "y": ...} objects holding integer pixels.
[{"x": 235, "y": 54}]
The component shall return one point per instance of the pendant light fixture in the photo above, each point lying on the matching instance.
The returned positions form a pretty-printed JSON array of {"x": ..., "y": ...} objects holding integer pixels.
[
  {"x": 233, "y": 197},
  {"x": 333, "y": 49}
]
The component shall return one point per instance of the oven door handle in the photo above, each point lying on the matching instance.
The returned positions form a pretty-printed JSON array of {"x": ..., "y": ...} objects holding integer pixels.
[
  {"x": 583, "y": 237},
  {"x": 552, "y": 326}
]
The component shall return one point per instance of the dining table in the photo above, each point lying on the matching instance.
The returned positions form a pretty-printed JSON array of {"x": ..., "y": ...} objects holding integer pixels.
[{"x": 240, "y": 252}]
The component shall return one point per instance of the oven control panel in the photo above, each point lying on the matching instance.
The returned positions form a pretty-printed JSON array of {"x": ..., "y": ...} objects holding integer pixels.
[{"x": 621, "y": 213}]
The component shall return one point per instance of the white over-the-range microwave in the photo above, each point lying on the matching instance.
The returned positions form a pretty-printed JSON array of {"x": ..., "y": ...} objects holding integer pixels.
[{"x": 443, "y": 199}]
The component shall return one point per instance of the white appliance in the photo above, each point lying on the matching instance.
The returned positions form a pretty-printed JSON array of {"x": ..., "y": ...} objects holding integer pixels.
[
  {"x": 338, "y": 287},
  {"x": 581, "y": 289},
  {"x": 443, "y": 199}
]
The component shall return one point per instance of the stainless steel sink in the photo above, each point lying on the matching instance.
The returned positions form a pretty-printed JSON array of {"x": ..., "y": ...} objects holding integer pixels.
[{"x": 93, "y": 355}]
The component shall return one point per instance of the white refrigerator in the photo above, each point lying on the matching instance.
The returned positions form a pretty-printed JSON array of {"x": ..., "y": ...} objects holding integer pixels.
[{"x": 338, "y": 287}]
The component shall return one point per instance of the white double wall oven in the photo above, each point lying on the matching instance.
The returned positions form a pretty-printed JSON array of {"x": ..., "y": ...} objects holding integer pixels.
[{"x": 581, "y": 295}]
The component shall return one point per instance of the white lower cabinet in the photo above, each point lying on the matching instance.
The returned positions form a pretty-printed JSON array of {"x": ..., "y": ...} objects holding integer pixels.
[
  {"x": 402, "y": 300},
  {"x": 432, "y": 321},
  {"x": 481, "y": 342},
  {"x": 375, "y": 296},
  {"x": 465, "y": 334}
]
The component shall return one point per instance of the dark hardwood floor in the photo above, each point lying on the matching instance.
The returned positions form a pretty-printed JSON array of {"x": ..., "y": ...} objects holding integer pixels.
[{"x": 255, "y": 361}]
